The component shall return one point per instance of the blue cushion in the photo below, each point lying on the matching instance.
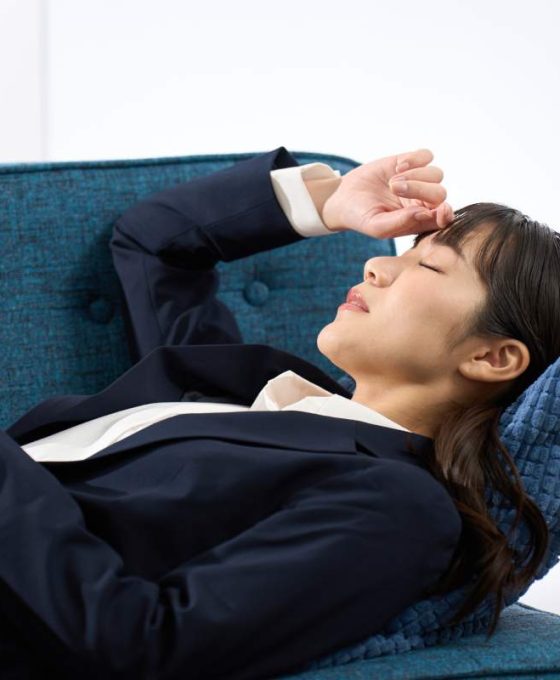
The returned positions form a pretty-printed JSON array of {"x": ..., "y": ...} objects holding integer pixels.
[{"x": 526, "y": 644}]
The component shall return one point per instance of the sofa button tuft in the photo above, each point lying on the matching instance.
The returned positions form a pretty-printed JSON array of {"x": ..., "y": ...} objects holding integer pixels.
[
  {"x": 256, "y": 293},
  {"x": 101, "y": 310}
]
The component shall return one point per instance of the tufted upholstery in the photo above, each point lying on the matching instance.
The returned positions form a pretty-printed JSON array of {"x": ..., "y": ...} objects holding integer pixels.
[
  {"x": 59, "y": 293},
  {"x": 63, "y": 334}
]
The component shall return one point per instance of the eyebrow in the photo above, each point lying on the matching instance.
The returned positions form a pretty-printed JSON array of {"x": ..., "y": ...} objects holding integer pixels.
[{"x": 455, "y": 247}]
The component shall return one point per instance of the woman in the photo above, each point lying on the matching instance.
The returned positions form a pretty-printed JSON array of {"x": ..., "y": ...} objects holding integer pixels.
[
  {"x": 459, "y": 326},
  {"x": 166, "y": 575}
]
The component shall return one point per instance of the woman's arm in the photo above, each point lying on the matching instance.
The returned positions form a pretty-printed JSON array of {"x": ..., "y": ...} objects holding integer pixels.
[
  {"x": 329, "y": 568},
  {"x": 165, "y": 247}
]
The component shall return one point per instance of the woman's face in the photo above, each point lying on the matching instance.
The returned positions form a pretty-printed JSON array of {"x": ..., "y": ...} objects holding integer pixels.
[{"x": 414, "y": 315}]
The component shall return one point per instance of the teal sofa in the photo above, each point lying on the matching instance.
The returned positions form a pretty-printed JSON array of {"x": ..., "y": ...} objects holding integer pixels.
[{"x": 63, "y": 333}]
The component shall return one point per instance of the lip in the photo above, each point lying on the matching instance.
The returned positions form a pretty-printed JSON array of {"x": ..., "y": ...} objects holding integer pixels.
[
  {"x": 352, "y": 307},
  {"x": 355, "y": 299}
]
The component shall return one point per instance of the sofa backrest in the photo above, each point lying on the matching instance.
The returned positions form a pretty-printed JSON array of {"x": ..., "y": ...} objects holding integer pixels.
[{"x": 63, "y": 331}]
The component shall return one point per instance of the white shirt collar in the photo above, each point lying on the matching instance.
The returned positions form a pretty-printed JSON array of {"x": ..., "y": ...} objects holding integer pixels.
[{"x": 289, "y": 391}]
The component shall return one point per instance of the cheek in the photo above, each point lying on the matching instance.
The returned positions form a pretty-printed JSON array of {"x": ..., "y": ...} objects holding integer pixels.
[{"x": 418, "y": 317}]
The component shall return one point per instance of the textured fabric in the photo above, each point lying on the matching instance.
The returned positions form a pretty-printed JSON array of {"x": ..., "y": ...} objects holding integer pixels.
[
  {"x": 286, "y": 392},
  {"x": 526, "y": 645},
  {"x": 59, "y": 293}
]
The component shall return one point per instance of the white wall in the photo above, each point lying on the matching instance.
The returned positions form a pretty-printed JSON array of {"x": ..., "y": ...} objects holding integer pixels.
[
  {"x": 476, "y": 82},
  {"x": 23, "y": 131}
]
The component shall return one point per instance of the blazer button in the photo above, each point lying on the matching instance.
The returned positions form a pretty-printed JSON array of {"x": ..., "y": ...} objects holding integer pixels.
[
  {"x": 101, "y": 310},
  {"x": 256, "y": 292}
]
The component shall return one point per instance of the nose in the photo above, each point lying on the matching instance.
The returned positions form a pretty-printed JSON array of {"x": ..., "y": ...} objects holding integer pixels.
[{"x": 375, "y": 273}]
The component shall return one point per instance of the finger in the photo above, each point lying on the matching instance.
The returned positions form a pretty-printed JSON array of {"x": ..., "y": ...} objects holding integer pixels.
[
  {"x": 441, "y": 215},
  {"x": 401, "y": 222},
  {"x": 413, "y": 159},
  {"x": 430, "y": 193},
  {"x": 430, "y": 173},
  {"x": 444, "y": 215}
]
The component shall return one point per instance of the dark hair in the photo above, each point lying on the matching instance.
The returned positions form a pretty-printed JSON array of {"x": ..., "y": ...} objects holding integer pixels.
[{"x": 519, "y": 264}]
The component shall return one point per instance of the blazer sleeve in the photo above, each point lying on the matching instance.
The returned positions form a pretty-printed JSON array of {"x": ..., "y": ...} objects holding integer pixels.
[
  {"x": 165, "y": 247},
  {"x": 329, "y": 568}
]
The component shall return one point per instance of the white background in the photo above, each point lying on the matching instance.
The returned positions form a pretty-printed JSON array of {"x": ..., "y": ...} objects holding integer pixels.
[{"x": 476, "y": 82}]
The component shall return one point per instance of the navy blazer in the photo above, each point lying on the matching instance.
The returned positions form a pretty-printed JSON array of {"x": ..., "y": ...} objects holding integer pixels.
[{"x": 216, "y": 545}]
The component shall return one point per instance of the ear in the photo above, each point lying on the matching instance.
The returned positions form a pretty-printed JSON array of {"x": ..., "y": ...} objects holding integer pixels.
[{"x": 498, "y": 361}]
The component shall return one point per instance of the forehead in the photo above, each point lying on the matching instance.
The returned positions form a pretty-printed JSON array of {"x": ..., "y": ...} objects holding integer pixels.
[{"x": 428, "y": 238}]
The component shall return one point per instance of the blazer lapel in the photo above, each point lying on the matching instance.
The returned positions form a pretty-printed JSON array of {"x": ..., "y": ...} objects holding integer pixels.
[
  {"x": 236, "y": 371},
  {"x": 291, "y": 430}
]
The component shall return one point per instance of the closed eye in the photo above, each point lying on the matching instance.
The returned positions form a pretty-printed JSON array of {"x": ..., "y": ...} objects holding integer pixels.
[{"x": 429, "y": 267}]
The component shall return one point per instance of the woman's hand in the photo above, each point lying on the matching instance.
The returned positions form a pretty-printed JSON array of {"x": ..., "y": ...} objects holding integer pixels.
[{"x": 369, "y": 200}]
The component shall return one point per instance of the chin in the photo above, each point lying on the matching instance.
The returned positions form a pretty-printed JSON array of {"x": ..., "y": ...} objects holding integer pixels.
[{"x": 331, "y": 345}]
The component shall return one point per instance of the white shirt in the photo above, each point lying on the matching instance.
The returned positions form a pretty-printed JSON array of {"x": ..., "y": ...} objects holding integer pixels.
[{"x": 288, "y": 391}]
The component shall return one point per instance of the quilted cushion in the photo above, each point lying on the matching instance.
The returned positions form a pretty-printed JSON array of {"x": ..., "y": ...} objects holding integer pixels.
[{"x": 526, "y": 645}]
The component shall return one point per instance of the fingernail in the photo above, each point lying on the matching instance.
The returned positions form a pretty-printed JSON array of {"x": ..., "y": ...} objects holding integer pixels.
[
  {"x": 401, "y": 187},
  {"x": 421, "y": 216}
]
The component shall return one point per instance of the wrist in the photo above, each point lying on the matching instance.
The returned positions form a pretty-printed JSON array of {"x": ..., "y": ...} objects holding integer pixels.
[{"x": 320, "y": 190}]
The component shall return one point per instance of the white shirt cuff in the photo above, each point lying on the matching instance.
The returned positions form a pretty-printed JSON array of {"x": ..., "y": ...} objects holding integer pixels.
[{"x": 295, "y": 200}]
